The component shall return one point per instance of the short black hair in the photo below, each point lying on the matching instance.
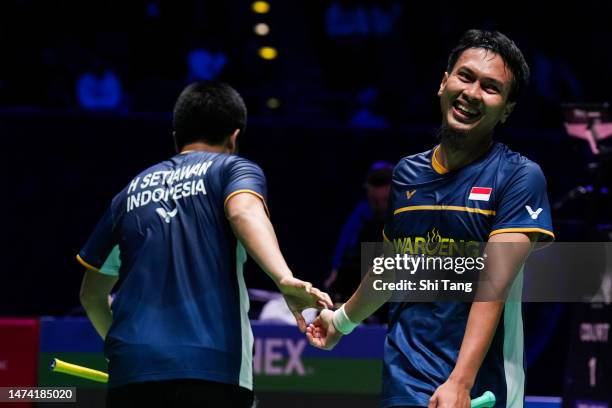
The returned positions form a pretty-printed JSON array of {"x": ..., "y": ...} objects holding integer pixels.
[
  {"x": 501, "y": 45},
  {"x": 209, "y": 112}
]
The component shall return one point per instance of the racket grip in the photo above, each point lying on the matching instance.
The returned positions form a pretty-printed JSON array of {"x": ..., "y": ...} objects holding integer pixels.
[
  {"x": 486, "y": 400},
  {"x": 59, "y": 366}
]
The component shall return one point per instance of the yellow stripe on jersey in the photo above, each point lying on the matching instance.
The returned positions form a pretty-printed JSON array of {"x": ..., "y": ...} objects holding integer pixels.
[
  {"x": 255, "y": 193},
  {"x": 503, "y": 230},
  {"x": 85, "y": 264},
  {"x": 443, "y": 208}
]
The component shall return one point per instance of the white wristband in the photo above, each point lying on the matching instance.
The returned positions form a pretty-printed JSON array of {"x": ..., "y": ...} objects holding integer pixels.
[{"x": 342, "y": 323}]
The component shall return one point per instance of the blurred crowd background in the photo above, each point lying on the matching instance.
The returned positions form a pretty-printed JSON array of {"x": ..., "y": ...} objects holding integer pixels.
[{"x": 366, "y": 63}]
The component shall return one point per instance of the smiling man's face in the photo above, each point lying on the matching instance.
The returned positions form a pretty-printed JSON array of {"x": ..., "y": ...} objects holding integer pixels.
[{"x": 474, "y": 96}]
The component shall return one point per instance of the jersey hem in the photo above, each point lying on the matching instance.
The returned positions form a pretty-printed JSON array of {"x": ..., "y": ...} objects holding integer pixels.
[
  {"x": 395, "y": 401},
  {"x": 177, "y": 375}
]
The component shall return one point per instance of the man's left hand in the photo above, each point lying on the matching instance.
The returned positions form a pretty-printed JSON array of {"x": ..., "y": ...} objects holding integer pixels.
[{"x": 322, "y": 333}]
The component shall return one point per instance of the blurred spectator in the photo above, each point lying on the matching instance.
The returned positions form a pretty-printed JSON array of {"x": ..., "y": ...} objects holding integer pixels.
[
  {"x": 365, "y": 116},
  {"x": 365, "y": 224},
  {"x": 554, "y": 79},
  {"x": 99, "y": 89},
  {"x": 205, "y": 65},
  {"x": 357, "y": 33},
  {"x": 152, "y": 10},
  {"x": 348, "y": 18}
]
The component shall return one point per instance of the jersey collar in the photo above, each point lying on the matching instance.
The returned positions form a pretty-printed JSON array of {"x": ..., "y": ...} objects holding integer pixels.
[
  {"x": 435, "y": 164},
  {"x": 440, "y": 169}
]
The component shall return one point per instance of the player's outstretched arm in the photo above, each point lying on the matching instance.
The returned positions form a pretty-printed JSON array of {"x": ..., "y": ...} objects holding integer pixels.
[
  {"x": 94, "y": 296},
  {"x": 251, "y": 225},
  {"x": 506, "y": 254}
]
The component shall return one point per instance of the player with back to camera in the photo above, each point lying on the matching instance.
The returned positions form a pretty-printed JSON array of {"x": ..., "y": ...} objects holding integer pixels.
[{"x": 177, "y": 235}]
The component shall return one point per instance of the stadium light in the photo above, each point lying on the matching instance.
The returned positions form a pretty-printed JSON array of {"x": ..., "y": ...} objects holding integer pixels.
[
  {"x": 268, "y": 53},
  {"x": 260, "y": 7}
]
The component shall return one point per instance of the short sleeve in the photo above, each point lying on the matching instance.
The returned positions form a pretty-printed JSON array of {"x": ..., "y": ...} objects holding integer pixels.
[
  {"x": 112, "y": 264},
  {"x": 100, "y": 243},
  {"x": 523, "y": 206},
  {"x": 244, "y": 176}
]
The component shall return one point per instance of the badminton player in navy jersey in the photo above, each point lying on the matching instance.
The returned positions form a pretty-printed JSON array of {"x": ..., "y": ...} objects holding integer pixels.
[
  {"x": 467, "y": 188},
  {"x": 178, "y": 235}
]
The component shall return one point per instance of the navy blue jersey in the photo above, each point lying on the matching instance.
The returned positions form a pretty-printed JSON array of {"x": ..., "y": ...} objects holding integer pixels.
[
  {"x": 501, "y": 191},
  {"x": 181, "y": 310}
]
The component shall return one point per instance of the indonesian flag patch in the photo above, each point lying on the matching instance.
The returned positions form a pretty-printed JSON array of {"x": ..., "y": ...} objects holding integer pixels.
[{"x": 480, "y": 193}]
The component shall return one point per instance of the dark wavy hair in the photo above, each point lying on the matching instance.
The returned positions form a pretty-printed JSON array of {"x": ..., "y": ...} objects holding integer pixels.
[{"x": 501, "y": 45}]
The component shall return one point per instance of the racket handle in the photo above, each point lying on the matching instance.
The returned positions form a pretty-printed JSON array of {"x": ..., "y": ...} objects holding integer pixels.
[
  {"x": 59, "y": 366},
  {"x": 486, "y": 400}
]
